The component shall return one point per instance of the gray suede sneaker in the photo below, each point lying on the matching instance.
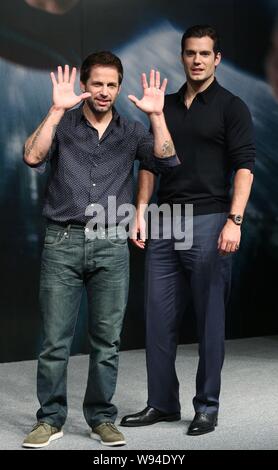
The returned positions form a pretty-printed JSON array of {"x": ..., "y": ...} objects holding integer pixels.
[
  {"x": 108, "y": 435},
  {"x": 41, "y": 435}
]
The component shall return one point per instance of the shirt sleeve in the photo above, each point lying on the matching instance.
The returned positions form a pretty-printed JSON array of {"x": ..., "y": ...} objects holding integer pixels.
[
  {"x": 145, "y": 154},
  {"x": 240, "y": 135},
  {"x": 41, "y": 167}
]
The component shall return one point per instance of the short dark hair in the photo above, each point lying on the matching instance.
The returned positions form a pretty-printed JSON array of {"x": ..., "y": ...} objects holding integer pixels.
[
  {"x": 199, "y": 31},
  {"x": 100, "y": 58}
]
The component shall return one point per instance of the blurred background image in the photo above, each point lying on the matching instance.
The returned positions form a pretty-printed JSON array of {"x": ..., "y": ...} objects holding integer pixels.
[{"x": 38, "y": 35}]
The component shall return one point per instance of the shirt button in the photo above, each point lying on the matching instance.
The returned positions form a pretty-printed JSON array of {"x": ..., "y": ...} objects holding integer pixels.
[
  {"x": 94, "y": 184},
  {"x": 92, "y": 205},
  {"x": 86, "y": 230}
]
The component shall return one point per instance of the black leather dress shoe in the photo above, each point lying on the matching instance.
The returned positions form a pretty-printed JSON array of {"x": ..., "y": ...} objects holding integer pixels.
[
  {"x": 147, "y": 417},
  {"x": 203, "y": 423}
]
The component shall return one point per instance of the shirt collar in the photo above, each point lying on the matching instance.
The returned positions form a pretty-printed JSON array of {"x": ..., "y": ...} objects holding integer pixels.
[{"x": 205, "y": 95}]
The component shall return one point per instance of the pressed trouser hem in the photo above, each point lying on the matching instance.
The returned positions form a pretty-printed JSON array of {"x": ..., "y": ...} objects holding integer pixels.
[{"x": 163, "y": 410}]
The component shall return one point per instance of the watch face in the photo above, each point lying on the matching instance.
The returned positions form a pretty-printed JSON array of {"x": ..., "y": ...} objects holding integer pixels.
[{"x": 238, "y": 219}]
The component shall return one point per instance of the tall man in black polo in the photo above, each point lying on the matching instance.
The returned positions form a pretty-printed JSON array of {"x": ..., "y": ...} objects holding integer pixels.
[
  {"x": 91, "y": 150},
  {"x": 212, "y": 132}
]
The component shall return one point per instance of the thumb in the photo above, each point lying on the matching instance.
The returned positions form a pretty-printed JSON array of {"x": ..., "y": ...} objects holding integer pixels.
[
  {"x": 219, "y": 241},
  {"x": 84, "y": 96},
  {"x": 133, "y": 99}
]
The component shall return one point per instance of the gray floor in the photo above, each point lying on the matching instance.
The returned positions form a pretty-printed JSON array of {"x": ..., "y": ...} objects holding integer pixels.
[{"x": 249, "y": 401}]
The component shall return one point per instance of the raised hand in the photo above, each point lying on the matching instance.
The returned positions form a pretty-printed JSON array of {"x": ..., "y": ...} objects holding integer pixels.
[
  {"x": 152, "y": 101},
  {"x": 64, "y": 96}
]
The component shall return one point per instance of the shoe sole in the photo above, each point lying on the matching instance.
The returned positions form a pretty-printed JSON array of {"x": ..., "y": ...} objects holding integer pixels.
[
  {"x": 97, "y": 437},
  {"x": 55, "y": 436},
  {"x": 159, "y": 420}
]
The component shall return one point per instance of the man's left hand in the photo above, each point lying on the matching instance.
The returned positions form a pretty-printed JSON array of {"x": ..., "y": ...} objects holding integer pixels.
[
  {"x": 229, "y": 238},
  {"x": 152, "y": 101},
  {"x": 138, "y": 232}
]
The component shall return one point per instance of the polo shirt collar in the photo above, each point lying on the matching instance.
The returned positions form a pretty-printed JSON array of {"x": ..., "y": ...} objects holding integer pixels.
[{"x": 205, "y": 95}]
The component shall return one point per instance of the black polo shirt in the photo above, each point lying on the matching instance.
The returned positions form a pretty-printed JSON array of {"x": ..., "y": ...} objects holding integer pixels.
[{"x": 213, "y": 139}]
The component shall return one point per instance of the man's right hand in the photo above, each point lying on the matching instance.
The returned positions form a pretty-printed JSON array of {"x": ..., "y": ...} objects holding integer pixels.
[
  {"x": 64, "y": 96},
  {"x": 138, "y": 232}
]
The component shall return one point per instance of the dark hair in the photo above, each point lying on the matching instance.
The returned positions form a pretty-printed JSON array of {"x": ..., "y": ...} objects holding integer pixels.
[
  {"x": 100, "y": 58},
  {"x": 199, "y": 31}
]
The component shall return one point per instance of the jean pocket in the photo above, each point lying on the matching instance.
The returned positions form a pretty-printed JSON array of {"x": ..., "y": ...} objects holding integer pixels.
[
  {"x": 117, "y": 241},
  {"x": 117, "y": 236},
  {"x": 54, "y": 238}
]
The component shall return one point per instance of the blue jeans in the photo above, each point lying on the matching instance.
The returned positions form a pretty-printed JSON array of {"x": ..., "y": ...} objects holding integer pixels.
[{"x": 69, "y": 262}]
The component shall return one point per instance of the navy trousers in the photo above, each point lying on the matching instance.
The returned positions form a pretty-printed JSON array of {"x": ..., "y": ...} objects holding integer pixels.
[{"x": 172, "y": 277}]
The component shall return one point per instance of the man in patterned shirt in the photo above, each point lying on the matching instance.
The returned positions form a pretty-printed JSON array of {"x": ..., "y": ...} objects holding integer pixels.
[{"x": 91, "y": 150}]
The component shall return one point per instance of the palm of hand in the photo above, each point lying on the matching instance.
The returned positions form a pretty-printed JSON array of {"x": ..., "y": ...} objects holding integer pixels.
[
  {"x": 63, "y": 88},
  {"x": 153, "y": 97},
  {"x": 64, "y": 95},
  {"x": 152, "y": 100}
]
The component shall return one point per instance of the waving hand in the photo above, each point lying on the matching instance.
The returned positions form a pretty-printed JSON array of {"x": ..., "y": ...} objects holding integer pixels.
[
  {"x": 152, "y": 101},
  {"x": 64, "y": 96}
]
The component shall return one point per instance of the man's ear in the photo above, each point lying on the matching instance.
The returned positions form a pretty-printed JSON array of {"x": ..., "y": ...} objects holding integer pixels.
[
  {"x": 217, "y": 59},
  {"x": 119, "y": 90},
  {"x": 82, "y": 86}
]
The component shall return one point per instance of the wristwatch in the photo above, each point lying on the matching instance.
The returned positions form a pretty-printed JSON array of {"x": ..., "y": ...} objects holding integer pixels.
[{"x": 236, "y": 218}]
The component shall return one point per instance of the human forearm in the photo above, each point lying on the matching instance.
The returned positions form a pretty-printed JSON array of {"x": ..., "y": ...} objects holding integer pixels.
[
  {"x": 242, "y": 187},
  {"x": 229, "y": 238},
  {"x": 163, "y": 144},
  {"x": 64, "y": 97},
  {"x": 152, "y": 104},
  {"x": 146, "y": 182},
  {"x": 38, "y": 144}
]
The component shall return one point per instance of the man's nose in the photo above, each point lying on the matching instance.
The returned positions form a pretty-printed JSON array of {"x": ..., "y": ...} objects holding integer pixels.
[
  {"x": 197, "y": 58},
  {"x": 104, "y": 90}
]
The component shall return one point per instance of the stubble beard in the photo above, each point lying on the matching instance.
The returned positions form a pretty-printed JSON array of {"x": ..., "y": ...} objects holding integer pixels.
[{"x": 96, "y": 110}]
